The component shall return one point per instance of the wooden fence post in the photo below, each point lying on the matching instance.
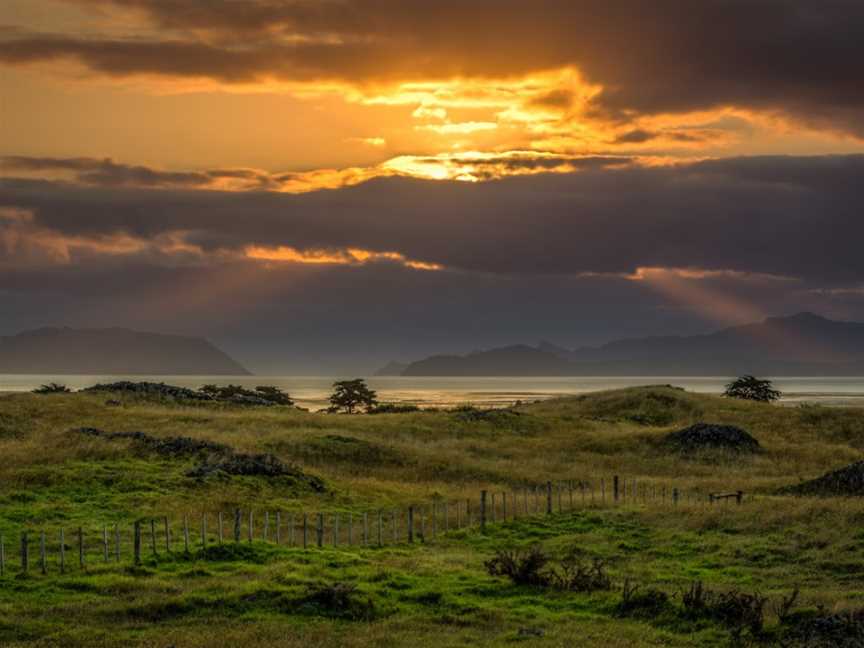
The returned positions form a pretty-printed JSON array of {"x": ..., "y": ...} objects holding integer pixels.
[
  {"x": 365, "y": 528},
  {"x": 185, "y": 533},
  {"x": 504, "y": 506},
  {"x": 350, "y": 529},
  {"x": 153, "y": 536},
  {"x": 291, "y": 530},
  {"x": 675, "y": 496},
  {"x": 278, "y": 528},
  {"x": 237, "y": 522},
  {"x": 548, "y": 497},
  {"x": 380, "y": 522},
  {"x": 615, "y": 489},
  {"x": 62, "y": 552},
  {"x": 493, "y": 509},
  {"x": 137, "y": 542},
  {"x": 167, "y": 534},
  {"x": 411, "y": 524},
  {"x": 305, "y": 530},
  {"x": 251, "y": 529},
  {"x": 221, "y": 526},
  {"x": 266, "y": 525},
  {"x": 320, "y": 530},
  {"x": 422, "y": 525},
  {"x": 395, "y": 526},
  {"x": 335, "y": 529},
  {"x": 434, "y": 519},
  {"x": 203, "y": 532},
  {"x": 81, "y": 547},
  {"x": 2, "y": 556},
  {"x": 116, "y": 542},
  {"x": 105, "y": 542},
  {"x": 483, "y": 511},
  {"x": 43, "y": 562},
  {"x": 468, "y": 519},
  {"x": 25, "y": 552}
]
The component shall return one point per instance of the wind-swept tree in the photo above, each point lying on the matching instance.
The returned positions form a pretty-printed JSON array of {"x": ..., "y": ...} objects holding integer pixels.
[
  {"x": 750, "y": 388},
  {"x": 349, "y": 395},
  {"x": 52, "y": 388}
]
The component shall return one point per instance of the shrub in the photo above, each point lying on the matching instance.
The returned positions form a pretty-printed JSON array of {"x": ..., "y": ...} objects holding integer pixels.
[
  {"x": 751, "y": 388},
  {"x": 521, "y": 567},
  {"x": 339, "y": 600},
  {"x": 647, "y": 604},
  {"x": 576, "y": 574},
  {"x": 393, "y": 408},
  {"x": 52, "y": 388},
  {"x": 349, "y": 395},
  {"x": 737, "y": 611}
]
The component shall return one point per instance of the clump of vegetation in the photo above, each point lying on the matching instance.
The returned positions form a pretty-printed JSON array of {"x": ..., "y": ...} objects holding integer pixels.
[
  {"x": 709, "y": 436},
  {"x": 740, "y": 612},
  {"x": 393, "y": 408},
  {"x": 659, "y": 405},
  {"x": 837, "y": 630},
  {"x": 751, "y": 388},
  {"x": 640, "y": 603},
  {"x": 338, "y": 600},
  {"x": 848, "y": 481},
  {"x": 523, "y": 567},
  {"x": 351, "y": 395},
  {"x": 534, "y": 567},
  {"x": 176, "y": 447},
  {"x": 52, "y": 388},
  {"x": 471, "y": 414},
  {"x": 261, "y": 395},
  {"x": 341, "y": 449}
]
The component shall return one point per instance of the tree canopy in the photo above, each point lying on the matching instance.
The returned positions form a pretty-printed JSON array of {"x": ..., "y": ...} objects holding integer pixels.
[
  {"x": 751, "y": 388},
  {"x": 349, "y": 395}
]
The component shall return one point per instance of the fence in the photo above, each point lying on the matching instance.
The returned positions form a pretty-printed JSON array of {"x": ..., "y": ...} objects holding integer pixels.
[{"x": 157, "y": 536}]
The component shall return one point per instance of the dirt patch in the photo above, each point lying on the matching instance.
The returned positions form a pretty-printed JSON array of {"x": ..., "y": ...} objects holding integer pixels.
[
  {"x": 709, "y": 436},
  {"x": 843, "y": 482}
]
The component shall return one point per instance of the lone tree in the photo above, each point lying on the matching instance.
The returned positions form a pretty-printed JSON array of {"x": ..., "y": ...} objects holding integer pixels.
[
  {"x": 52, "y": 388},
  {"x": 348, "y": 395},
  {"x": 751, "y": 388}
]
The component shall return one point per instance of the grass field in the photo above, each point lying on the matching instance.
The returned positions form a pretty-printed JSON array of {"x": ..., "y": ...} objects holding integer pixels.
[{"x": 435, "y": 593}]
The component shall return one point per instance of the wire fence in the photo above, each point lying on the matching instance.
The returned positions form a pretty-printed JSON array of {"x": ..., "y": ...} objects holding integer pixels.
[{"x": 165, "y": 536}]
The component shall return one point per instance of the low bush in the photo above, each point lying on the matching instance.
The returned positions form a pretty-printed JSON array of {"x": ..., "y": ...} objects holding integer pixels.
[
  {"x": 523, "y": 567},
  {"x": 338, "y": 600},
  {"x": 642, "y": 604},
  {"x": 52, "y": 388}
]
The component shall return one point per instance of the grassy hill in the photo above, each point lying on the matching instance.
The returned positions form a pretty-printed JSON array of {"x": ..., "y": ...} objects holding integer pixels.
[{"x": 433, "y": 593}]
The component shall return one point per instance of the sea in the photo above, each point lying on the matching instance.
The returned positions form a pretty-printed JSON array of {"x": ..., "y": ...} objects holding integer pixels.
[{"x": 312, "y": 391}]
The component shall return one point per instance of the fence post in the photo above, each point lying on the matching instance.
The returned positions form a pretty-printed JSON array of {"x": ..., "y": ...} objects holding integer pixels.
[
  {"x": 153, "y": 536},
  {"x": 739, "y": 496},
  {"x": 365, "y": 528},
  {"x": 251, "y": 528},
  {"x": 203, "y": 531},
  {"x": 468, "y": 521},
  {"x": 434, "y": 519},
  {"x": 422, "y": 526},
  {"x": 395, "y": 527},
  {"x": 62, "y": 552},
  {"x": 548, "y": 497},
  {"x": 137, "y": 542},
  {"x": 221, "y": 526},
  {"x": 291, "y": 530},
  {"x": 237, "y": 523},
  {"x": 446, "y": 517},
  {"x": 320, "y": 530},
  {"x": 504, "y": 506},
  {"x": 305, "y": 530},
  {"x": 43, "y": 562},
  {"x": 2, "y": 556},
  {"x": 483, "y": 511},
  {"x": 411, "y": 524},
  {"x": 81, "y": 547},
  {"x": 116, "y": 542},
  {"x": 675, "y": 496},
  {"x": 167, "y": 534},
  {"x": 105, "y": 542},
  {"x": 186, "y": 533},
  {"x": 335, "y": 529},
  {"x": 278, "y": 527},
  {"x": 494, "y": 517},
  {"x": 615, "y": 488},
  {"x": 350, "y": 529},
  {"x": 266, "y": 525},
  {"x": 380, "y": 522},
  {"x": 25, "y": 552}
]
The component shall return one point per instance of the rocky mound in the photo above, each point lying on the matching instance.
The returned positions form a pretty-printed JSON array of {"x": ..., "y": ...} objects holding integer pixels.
[
  {"x": 845, "y": 481},
  {"x": 709, "y": 436},
  {"x": 215, "y": 459}
]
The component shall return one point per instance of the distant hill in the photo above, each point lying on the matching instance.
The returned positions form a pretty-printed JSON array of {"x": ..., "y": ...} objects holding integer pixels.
[
  {"x": 799, "y": 345},
  {"x": 112, "y": 351},
  {"x": 392, "y": 369}
]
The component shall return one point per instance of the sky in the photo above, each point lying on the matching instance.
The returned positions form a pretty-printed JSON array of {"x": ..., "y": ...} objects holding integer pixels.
[{"x": 321, "y": 186}]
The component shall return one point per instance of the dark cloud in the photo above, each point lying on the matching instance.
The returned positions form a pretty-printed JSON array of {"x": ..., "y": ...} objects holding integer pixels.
[
  {"x": 794, "y": 56},
  {"x": 796, "y": 217}
]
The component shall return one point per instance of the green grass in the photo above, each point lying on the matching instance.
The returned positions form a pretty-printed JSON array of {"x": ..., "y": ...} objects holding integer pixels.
[{"x": 427, "y": 594}]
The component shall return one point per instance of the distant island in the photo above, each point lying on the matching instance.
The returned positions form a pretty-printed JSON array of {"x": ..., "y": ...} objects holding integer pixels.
[
  {"x": 112, "y": 351},
  {"x": 805, "y": 344}
]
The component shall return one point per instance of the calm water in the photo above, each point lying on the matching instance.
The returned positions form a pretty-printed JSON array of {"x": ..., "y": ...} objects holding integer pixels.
[{"x": 313, "y": 391}]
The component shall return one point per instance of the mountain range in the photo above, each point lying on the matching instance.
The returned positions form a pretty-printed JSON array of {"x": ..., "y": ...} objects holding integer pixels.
[
  {"x": 805, "y": 344},
  {"x": 112, "y": 351}
]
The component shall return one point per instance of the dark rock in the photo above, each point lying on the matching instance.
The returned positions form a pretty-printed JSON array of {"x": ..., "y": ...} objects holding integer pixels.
[
  {"x": 845, "y": 481},
  {"x": 709, "y": 436}
]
